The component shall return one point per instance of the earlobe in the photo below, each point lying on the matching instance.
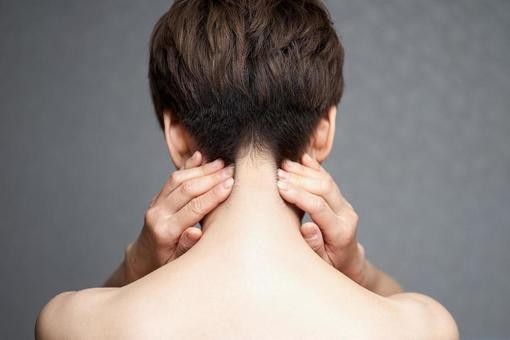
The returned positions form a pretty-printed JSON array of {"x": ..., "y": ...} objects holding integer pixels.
[
  {"x": 324, "y": 135},
  {"x": 176, "y": 140}
]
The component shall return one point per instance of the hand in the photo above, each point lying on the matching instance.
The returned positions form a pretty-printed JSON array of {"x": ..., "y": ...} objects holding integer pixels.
[
  {"x": 188, "y": 195},
  {"x": 333, "y": 234}
]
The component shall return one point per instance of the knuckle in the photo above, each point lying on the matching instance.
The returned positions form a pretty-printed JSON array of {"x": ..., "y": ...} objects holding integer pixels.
[
  {"x": 326, "y": 184},
  {"x": 354, "y": 217},
  {"x": 349, "y": 218},
  {"x": 173, "y": 233},
  {"x": 318, "y": 204},
  {"x": 151, "y": 216},
  {"x": 204, "y": 169},
  {"x": 197, "y": 206},
  {"x": 217, "y": 177},
  {"x": 156, "y": 234},
  {"x": 217, "y": 192},
  {"x": 348, "y": 235},
  {"x": 347, "y": 231},
  {"x": 175, "y": 177},
  {"x": 188, "y": 187}
]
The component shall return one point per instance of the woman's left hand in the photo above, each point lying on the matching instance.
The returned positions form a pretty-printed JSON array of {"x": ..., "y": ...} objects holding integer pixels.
[{"x": 333, "y": 236}]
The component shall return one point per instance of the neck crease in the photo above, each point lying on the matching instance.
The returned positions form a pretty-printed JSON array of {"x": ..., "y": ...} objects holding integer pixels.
[{"x": 254, "y": 217}]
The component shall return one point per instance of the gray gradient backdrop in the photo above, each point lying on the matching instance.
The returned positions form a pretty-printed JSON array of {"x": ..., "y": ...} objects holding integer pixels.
[{"x": 422, "y": 148}]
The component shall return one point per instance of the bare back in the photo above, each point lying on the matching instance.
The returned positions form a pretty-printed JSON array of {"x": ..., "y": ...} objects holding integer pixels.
[{"x": 243, "y": 297}]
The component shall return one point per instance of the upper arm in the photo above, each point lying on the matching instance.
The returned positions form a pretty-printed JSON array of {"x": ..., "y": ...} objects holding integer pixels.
[
  {"x": 425, "y": 317},
  {"x": 70, "y": 314}
]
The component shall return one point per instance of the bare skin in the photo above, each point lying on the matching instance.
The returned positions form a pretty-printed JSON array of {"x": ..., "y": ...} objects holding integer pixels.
[
  {"x": 167, "y": 232},
  {"x": 256, "y": 273}
]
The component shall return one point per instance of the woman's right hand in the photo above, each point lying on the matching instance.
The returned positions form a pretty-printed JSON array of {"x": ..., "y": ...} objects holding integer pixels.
[{"x": 168, "y": 231}]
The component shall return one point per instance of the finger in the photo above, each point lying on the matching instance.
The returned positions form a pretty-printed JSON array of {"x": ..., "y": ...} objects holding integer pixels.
[
  {"x": 313, "y": 236},
  {"x": 315, "y": 206},
  {"x": 311, "y": 162},
  {"x": 324, "y": 186},
  {"x": 300, "y": 169},
  {"x": 179, "y": 176},
  {"x": 200, "y": 206},
  {"x": 194, "y": 187},
  {"x": 193, "y": 161},
  {"x": 187, "y": 240}
]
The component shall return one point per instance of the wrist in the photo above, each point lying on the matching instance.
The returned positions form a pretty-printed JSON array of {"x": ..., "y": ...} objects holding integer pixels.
[
  {"x": 356, "y": 267},
  {"x": 369, "y": 275},
  {"x": 131, "y": 262}
]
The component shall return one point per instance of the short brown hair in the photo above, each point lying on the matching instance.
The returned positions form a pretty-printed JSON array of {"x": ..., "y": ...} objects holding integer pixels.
[{"x": 239, "y": 72}]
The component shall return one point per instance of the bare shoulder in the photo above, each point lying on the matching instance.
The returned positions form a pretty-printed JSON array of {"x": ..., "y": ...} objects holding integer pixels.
[
  {"x": 70, "y": 314},
  {"x": 424, "y": 317}
]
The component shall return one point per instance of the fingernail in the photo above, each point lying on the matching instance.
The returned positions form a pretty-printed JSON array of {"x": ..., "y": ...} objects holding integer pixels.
[
  {"x": 193, "y": 156},
  {"x": 282, "y": 174},
  {"x": 282, "y": 185},
  {"x": 290, "y": 164},
  {"x": 217, "y": 164},
  {"x": 228, "y": 183}
]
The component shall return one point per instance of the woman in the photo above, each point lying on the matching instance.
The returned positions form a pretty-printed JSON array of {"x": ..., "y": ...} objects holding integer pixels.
[{"x": 246, "y": 93}]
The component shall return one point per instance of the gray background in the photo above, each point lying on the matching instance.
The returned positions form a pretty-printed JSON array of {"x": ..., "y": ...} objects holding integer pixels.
[{"x": 422, "y": 148}]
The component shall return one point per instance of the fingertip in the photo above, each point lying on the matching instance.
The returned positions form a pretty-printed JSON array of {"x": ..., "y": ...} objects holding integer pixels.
[
  {"x": 282, "y": 174},
  {"x": 217, "y": 164},
  {"x": 188, "y": 239},
  {"x": 228, "y": 183},
  {"x": 193, "y": 161},
  {"x": 290, "y": 166},
  {"x": 282, "y": 185},
  {"x": 306, "y": 159},
  {"x": 196, "y": 235},
  {"x": 197, "y": 157},
  {"x": 310, "y": 161},
  {"x": 221, "y": 191},
  {"x": 192, "y": 230},
  {"x": 287, "y": 191},
  {"x": 309, "y": 229},
  {"x": 193, "y": 234}
]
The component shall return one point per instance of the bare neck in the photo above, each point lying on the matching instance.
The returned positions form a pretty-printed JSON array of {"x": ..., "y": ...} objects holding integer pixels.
[{"x": 254, "y": 218}]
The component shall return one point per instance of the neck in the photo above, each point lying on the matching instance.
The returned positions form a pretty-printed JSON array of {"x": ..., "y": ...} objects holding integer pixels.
[{"x": 254, "y": 218}]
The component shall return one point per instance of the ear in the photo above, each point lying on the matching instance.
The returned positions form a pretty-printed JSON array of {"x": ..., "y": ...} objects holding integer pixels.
[
  {"x": 179, "y": 142},
  {"x": 322, "y": 138}
]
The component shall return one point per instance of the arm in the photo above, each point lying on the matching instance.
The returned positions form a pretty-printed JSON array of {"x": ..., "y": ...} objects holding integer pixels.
[
  {"x": 168, "y": 230},
  {"x": 333, "y": 236},
  {"x": 379, "y": 282},
  {"x": 120, "y": 276}
]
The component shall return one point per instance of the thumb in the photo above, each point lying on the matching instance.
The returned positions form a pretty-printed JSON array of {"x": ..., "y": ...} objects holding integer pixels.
[
  {"x": 188, "y": 239},
  {"x": 313, "y": 236}
]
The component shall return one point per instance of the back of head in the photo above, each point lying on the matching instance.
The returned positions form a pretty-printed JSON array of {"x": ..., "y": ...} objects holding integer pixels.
[{"x": 240, "y": 73}]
